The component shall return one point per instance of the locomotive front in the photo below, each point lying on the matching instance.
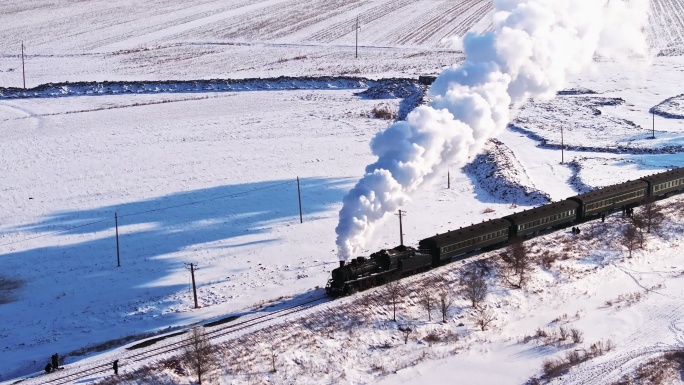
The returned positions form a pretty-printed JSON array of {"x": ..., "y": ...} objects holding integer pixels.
[{"x": 357, "y": 268}]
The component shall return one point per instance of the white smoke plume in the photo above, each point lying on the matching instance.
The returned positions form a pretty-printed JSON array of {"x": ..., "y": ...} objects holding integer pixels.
[{"x": 535, "y": 45}]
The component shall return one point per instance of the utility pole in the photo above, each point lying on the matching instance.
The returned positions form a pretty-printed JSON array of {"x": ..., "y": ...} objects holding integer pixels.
[
  {"x": 653, "y": 137},
  {"x": 116, "y": 225},
  {"x": 401, "y": 231},
  {"x": 448, "y": 179},
  {"x": 299, "y": 194},
  {"x": 194, "y": 289},
  {"x": 356, "y": 28},
  {"x": 562, "y": 147},
  {"x": 23, "y": 71}
]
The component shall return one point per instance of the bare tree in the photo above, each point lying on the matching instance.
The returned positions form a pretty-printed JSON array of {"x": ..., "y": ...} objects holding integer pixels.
[
  {"x": 473, "y": 286},
  {"x": 426, "y": 299},
  {"x": 273, "y": 354},
  {"x": 406, "y": 330},
  {"x": 651, "y": 214},
  {"x": 640, "y": 225},
  {"x": 517, "y": 263},
  {"x": 199, "y": 353},
  {"x": 393, "y": 295},
  {"x": 445, "y": 303},
  {"x": 484, "y": 317},
  {"x": 630, "y": 237}
]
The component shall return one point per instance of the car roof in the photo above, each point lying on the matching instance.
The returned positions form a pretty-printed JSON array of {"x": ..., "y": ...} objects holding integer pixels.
[
  {"x": 466, "y": 232},
  {"x": 609, "y": 191},
  {"x": 542, "y": 211}
]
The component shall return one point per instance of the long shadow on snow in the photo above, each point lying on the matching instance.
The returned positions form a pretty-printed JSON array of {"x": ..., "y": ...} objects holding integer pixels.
[
  {"x": 153, "y": 228},
  {"x": 76, "y": 287},
  {"x": 208, "y": 214}
]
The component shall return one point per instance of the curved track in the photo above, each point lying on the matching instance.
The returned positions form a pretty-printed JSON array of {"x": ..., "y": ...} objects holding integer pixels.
[{"x": 175, "y": 344}]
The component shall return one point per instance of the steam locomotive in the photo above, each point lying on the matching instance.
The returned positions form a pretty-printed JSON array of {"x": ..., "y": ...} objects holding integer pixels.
[{"x": 387, "y": 265}]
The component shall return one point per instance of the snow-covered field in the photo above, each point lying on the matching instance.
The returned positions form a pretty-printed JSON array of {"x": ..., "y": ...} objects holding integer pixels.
[{"x": 210, "y": 178}]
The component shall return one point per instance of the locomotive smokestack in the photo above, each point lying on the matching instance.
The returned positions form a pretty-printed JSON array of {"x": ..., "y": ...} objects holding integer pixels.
[{"x": 341, "y": 263}]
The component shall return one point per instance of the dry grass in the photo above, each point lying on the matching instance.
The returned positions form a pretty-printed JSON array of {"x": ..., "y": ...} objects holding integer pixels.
[
  {"x": 285, "y": 60},
  {"x": 7, "y": 288},
  {"x": 661, "y": 370},
  {"x": 625, "y": 300},
  {"x": 556, "y": 367},
  {"x": 384, "y": 111}
]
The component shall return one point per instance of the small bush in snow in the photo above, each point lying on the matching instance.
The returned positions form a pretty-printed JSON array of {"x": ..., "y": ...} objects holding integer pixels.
[
  {"x": 554, "y": 367},
  {"x": 577, "y": 335},
  {"x": 431, "y": 338},
  {"x": 563, "y": 318},
  {"x": 574, "y": 357},
  {"x": 383, "y": 111}
]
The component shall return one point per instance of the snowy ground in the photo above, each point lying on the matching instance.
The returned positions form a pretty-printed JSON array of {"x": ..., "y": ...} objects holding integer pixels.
[{"x": 209, "y": 178}]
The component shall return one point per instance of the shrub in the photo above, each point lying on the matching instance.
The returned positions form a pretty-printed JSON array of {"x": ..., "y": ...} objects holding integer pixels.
[
  {"x": 432, "y": 337},
  {"x": 574, "y": 357},
  {"x": 554, "y": 367},
  {"x": 577, "y": 336},
  {"x": 383, "y": 111}
]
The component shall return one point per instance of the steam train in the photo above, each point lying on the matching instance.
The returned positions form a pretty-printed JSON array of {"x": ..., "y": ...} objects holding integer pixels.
[{"x": 387, "y": 265}]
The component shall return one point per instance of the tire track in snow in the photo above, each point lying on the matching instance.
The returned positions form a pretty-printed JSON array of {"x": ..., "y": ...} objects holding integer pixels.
[
  {"x": 667, "y": 27},
  {"x": 663, "y": 313},
  {"x": 432, "y": 21},
  {"x": 343, "y": 28},
  {"x": 24, "y": 112},
  {"x": 471, "y": 21},
  {"x": 176, "y": 29}
]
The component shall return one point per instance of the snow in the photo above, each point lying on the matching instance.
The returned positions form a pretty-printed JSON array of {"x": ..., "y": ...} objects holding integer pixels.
[{"x": 209, "y": 177}]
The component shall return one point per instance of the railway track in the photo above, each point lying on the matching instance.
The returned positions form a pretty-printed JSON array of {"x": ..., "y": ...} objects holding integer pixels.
[{"x": 170, "y": 345}]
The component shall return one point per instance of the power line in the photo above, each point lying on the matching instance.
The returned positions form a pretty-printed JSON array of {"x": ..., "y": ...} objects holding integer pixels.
[{"x": 148, "y": 211}]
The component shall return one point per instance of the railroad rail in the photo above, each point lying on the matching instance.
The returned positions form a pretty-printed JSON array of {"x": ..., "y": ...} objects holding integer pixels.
[{"x": 173, "y": 343}]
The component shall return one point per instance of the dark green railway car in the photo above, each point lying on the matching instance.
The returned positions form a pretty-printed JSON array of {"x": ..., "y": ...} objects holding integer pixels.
[
  {"x": 444, "y": 247},
  {"x": 665, "y": 184},
  {"x": 610, "y": 199},
  {"x": 553, "y": 215}
]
